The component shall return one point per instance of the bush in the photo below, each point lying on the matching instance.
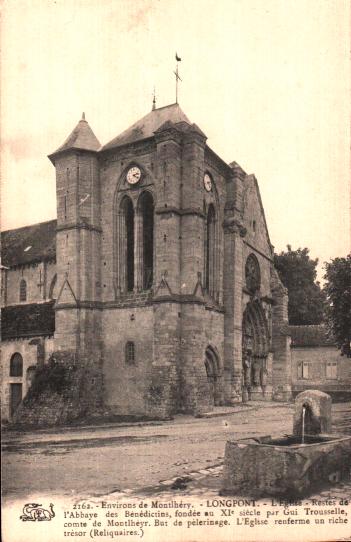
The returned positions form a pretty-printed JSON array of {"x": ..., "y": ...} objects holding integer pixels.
[{"x": 53, "y": 377}]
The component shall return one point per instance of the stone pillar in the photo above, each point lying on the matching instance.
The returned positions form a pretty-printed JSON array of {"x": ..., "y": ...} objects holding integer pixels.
[
  {"x": 280, "y": 341},
  {"x": 192, "y": 219},
  {"x": 194, "y": 391},
  {"x": 138, "y": 251},
  {"x": 162, "y": 393},
  {"x": 268, "y": 390},
  {"x": 233, "y": 287},
  {"x": 168, "y": 179}
]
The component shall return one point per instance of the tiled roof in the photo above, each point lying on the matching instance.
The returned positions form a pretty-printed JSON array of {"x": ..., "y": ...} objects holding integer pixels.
[
  {"x": 146, "y": 126},
  {"x": 30, "y": 320},
  {"x": 313, "y": 335},
  {"x": 82, "y": 138},
  {"x": 29, "y": 244}
]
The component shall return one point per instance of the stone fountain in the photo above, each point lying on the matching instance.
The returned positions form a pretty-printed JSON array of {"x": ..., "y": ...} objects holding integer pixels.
[{"x": 291, "y": 465}]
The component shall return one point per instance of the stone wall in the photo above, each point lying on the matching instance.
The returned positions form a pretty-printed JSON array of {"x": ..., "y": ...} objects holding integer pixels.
[
  {"x": 201, "y": 328},
  {"x": 79, "y": 396},
  {"x": 317, "y": 359},
  {"x": 29, "y": 353},
  {"x": 38, "y": 277},
  {"x": 169, "y": 373},
  {"x": 126, "y": 383}
]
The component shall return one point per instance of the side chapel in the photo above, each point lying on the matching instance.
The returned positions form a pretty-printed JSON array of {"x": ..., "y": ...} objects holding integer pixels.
[{"x": 159, "y": 277}]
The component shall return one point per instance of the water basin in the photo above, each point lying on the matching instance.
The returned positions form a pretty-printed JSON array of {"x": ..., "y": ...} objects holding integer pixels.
[{"x": 284, "y": 466}]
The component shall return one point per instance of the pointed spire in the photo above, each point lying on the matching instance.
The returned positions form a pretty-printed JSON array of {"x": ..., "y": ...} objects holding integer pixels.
[
  {"x": 154, "y": 101},
  {"x": 82, "y": 138}
]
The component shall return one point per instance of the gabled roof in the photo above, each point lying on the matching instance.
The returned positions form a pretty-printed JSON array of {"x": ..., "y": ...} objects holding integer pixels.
[
  {"x": 82, "y": 138},
  {"x": 310, "y": 335},
  {"x": 251, "y": 177},
  {"x": 146, "y": 126},
  {"x": 30, "y": 320},
  {"x": 29, "y": 244}
]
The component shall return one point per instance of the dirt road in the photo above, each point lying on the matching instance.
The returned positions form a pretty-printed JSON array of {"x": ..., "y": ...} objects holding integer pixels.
[{"x": 99, "y": 460}]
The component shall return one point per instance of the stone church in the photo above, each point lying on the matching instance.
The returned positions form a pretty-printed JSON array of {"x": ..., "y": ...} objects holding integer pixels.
[{"x": 155, "y": 287}]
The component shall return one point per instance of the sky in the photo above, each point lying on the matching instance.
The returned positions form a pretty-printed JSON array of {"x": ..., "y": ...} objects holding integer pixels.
[{"x": 268, "y": 81}]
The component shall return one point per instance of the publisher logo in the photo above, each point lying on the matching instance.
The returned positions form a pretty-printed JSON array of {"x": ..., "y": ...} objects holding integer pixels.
[{"x": 35, "y": 512}]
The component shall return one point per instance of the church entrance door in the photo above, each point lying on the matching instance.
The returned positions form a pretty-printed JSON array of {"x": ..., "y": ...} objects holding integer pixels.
[
  {"x": 255, "y": 344},
  {"x": 15, "y": 397},
  {"x": 213, "y": 376}
]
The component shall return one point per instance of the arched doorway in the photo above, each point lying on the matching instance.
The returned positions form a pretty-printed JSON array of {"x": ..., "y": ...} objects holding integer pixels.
[
  {"x": 255, "y": 347},
  {"x": 214, "y": 376}
]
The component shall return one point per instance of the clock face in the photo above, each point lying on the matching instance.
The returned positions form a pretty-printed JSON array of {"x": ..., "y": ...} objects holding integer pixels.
[
  {"x": 207, "y": 182},
  {"x": 133, "y": 175}
]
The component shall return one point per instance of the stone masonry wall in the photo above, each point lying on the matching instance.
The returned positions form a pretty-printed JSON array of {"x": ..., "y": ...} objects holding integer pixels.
[
  {"x": 126, "y": 384},
  {"x": 200, "y": 328},
  {"x": 29, "y": 353},
  {"x": 38, "y": 279},
  {"x": 317, "y": 359},
  {"x": 81, "y": 395}
]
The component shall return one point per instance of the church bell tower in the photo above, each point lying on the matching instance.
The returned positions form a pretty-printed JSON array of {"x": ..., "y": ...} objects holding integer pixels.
[{"x": 78, "y": 249}]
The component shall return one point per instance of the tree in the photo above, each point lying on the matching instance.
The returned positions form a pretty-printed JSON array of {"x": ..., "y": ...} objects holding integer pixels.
[
  {"x": 338, "y": 293},
  {"x": 298, "y": 273}
]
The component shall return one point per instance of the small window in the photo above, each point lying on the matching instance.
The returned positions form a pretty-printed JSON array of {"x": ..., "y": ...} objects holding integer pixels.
[
  {"x": 23, "y": 291},
  {"x": 52, "y": 287},
  {"x": 16, "y": 365},
  {"x": 331, "y": 370},
  {"x": 130, "y": 352},
  {"x": 303, "y": 370}
]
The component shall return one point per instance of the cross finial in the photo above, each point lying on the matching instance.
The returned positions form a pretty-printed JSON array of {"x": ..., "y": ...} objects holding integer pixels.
[{"x": 178, "y": 59}]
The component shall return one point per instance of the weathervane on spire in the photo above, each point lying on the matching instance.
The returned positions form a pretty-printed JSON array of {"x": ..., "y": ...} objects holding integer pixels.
[{"x": 178, "y": 59}]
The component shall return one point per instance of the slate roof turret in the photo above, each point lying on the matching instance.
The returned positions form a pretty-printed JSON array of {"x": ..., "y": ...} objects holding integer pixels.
[{"x": 82, "y": 138}]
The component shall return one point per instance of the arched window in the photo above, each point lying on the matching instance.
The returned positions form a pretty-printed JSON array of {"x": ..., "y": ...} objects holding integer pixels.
[
  {"x": 210, "y": 250},
  {"x": 23, "y": 291},
  {"x": 16, "y": 365},
  {"x": 252, "y": 274},
  {"x": 126, "y": 245},
  {"x": 147, "y": 238},
  {"x": 130, "y": 352}
]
